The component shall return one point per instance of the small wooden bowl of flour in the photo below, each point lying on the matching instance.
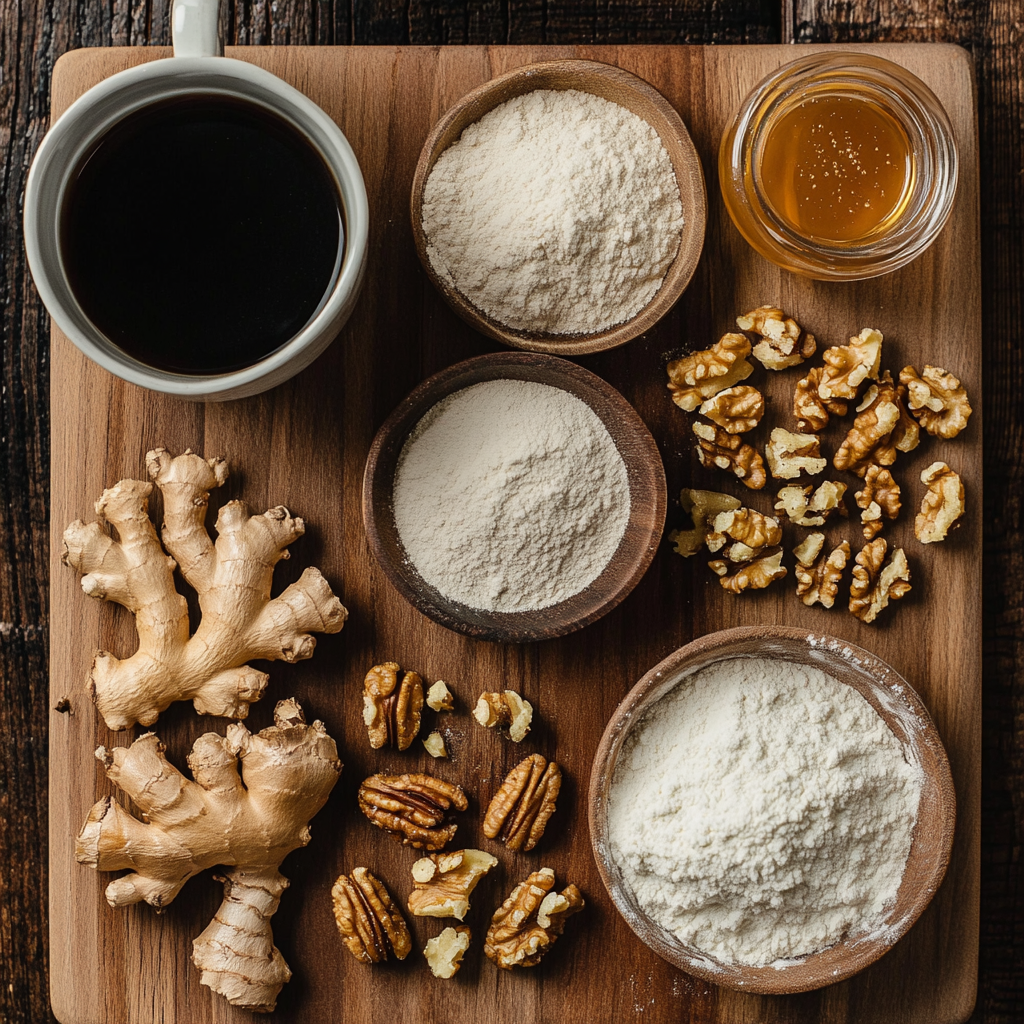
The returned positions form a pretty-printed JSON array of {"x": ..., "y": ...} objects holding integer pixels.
[
  {"x": 493, "y": 472},
  {"x": 550, "y": 215},
  {"x": 778, "y": 797}
]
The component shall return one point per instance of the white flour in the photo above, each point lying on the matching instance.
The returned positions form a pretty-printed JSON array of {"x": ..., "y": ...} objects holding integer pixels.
[
  {"x": 763, "y": 811},
  {"x": 510, "y": 496},
  {"x": 557, "y": 211}
]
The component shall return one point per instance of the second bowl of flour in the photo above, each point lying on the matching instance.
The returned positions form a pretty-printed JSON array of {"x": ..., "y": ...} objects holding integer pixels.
[{"x": 514, "y": 497}]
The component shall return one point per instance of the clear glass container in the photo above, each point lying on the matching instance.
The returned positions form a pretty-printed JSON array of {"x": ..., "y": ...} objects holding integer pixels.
[{"x": 884, "y": 96}]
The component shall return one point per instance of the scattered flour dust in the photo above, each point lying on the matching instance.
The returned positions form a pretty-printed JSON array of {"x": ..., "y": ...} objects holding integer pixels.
[
  {"x": 762, "y": 811},
  {"x": 510, "y": 496},
  {"x": 558, "y": 211}
]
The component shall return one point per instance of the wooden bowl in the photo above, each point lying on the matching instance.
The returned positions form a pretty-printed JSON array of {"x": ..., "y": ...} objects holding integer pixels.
[
  {"x": 644, "y": 470},
  {"x": 619, "y": 87},
  {"x": 901, "y": 709}
]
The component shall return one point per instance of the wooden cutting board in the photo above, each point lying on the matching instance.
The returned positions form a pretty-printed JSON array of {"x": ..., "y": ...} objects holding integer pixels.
[{"x": 304, "y": 445}]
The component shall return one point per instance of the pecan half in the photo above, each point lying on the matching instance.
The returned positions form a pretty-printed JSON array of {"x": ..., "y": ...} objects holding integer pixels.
[
  {"x": 412, "y": 807},
  {"x": 518, "y": 813},
  {"x": 371, "y": 926},
  {"x": 715, "y": 447},
  {"x": 527, "y": 924},
  {"x": 391, "y": 707}
]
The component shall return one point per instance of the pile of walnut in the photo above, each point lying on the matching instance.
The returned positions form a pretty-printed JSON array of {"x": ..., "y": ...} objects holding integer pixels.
[
  {"x": 889, "y": 418},
  {"x": 415, "y": 809}
]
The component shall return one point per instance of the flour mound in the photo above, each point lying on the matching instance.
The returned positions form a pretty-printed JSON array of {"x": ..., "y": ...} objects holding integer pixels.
[
  {"x": 510, "y": 496},
  {"x": 763, "y": 811},
  {"x": 556, "y": 212}
]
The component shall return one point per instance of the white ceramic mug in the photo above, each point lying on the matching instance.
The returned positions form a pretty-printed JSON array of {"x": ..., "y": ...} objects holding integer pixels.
[{"x": 197, "y": 68}]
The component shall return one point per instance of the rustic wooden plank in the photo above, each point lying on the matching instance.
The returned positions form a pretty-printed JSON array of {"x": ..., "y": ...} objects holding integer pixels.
[{"x": 304, "y": 444}]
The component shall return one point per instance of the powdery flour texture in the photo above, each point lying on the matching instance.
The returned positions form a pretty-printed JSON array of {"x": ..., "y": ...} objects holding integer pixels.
[
  {"x": 510, "y": 496},
  {"x": 556, "y": 212},
  {"x": 763, "y": 811}
]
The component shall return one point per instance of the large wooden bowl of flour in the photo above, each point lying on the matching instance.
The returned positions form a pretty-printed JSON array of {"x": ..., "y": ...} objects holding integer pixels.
[
  {"x": 657, "y": 697},
  {"x": 644, "y": 476},
  {"x": 626, "y": 91}
]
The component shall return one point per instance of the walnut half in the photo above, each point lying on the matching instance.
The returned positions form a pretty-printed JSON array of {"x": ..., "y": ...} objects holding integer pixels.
[
  {"x": 736, "y": 410},
  {"x": 412, "y": 807},
  {"x": 942, "y": 506},
  {"x": 783, "y": 343},
  {"x": 937, "y": 400},
  {"x": 846, "y": 367},
  {"x": 806, "y": 509},
  {"x": 716, "y": 447},
  {"x": 704, "y": 374},
  {"x": 755, "y": 575},
  {"x": 519, "y": 811},
  {"x": 505, "y": 710},
  {"x": 701, "y": 507},
  {"x": 371, "y": 926},
  {"x": 527, "y": 924},
  {"x": 879, "y": 496},
  {"x": 817, "y": 575},
  {"x": 874, "y": 586},
  {"x": 443, "y": 882},
  {"x": 391, "y": 706},
  {"x": 788, "y": 453}
]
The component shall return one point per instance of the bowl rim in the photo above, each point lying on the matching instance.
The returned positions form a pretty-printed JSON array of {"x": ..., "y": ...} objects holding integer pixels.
[
  {"x": 636, "y": 550},
  {"x": 889, "y": 690},
  {"x": 474, "y": 104}
]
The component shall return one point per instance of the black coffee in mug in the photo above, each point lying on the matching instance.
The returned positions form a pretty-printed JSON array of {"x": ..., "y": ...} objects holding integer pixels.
[{"x": 201, "y": 234}]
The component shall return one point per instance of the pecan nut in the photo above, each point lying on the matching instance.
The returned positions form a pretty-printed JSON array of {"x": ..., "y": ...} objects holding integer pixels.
[
  {"x": 505, "y": 710},
  {"x": 443, "y": 882},
  {"x": 875, "y": 585},
  {"x": 412, "y": 807},
  {"x": 704, "y": 374},
  {"x": 527, "y": 924},
  {"x": 715, "y": 447},
  {"x": 519, "y": 812},
  {"x": 392, "y": 706},
  {"x": 371, "y": 926}
]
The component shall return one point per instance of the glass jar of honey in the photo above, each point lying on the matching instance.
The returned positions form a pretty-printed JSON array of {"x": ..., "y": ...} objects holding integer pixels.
[{"x": 839, "y": 167}]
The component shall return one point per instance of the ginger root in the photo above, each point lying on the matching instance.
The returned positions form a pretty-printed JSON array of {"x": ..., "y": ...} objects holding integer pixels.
[
  {"x": 247, "y": 820},
  {"x": 240, "y": 622}
]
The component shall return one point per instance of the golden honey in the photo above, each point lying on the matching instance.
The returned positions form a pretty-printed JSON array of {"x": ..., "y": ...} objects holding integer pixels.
[
  {"x": 839, "y": 166},
  {"x": 836, "y": 167}
]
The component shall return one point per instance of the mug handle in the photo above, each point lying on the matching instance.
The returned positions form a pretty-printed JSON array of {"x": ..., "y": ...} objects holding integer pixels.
[{"x": 195, "y": 28}]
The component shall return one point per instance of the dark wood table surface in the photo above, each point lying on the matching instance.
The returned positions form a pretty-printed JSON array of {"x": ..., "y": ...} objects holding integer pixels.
[{"x": 34, "y": 33}]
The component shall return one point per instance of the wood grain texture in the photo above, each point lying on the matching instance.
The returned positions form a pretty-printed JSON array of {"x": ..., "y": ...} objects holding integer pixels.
[{"x": 304, "y": 444}]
